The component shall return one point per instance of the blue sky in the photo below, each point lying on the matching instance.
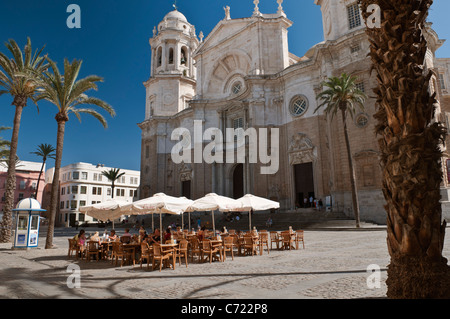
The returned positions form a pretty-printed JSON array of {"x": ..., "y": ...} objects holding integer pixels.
[{"x": 113, "y": 43}]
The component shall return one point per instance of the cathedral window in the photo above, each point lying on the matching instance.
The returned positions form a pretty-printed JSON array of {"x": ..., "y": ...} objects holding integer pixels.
[
  {"x": 159, "y": 57},
  {"x": 360, "y": 86},
  {"x": 354, "y": 17},
  {"x": 183, "y": 57},
  {"x": 442, "y": 81},
  {"x": 362, "y": 120},
  {"x": 236, "y": 88},
  {"x": 171, "y": 56},
  {"x": 299, "y": 105}
]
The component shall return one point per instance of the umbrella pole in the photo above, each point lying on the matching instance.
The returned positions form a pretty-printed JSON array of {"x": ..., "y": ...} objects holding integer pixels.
[
  {"x": 182, "y": 221},
  {"x": 153, "y": 223},
  {"x": 250, "y": 219},
  {"x": 189, "y": 216},
  {"x": 214, "y": 225},
  {"x": 160, "y": 227}
]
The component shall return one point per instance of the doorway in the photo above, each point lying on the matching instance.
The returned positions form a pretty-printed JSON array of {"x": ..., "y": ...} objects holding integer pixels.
[
  {"x": 186, "y": 189},
  {"x": 238, "y": 181},
  {"x": 304, "y": 184}
]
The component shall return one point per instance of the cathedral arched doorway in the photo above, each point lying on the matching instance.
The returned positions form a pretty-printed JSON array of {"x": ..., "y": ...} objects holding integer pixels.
[
  {"x": 304, "y": 184},
  {"x": 238, "y": 181}
]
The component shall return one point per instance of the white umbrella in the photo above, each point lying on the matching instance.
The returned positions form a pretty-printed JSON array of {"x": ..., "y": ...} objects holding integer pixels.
[
  {"x": 109, "y": 210},
  {"x": 159, "y": 203},
  {"x": 212, "y": 202},
  {"x": 254, "y": 203}
]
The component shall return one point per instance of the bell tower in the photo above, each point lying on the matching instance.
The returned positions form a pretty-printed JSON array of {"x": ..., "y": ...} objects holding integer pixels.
[
  {"x": 173, "y": 74},
  {"x": 340, "y": 17}
]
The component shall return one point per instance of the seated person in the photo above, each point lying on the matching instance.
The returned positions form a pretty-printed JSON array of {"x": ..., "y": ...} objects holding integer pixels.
[
  {"x": 81, "y": 241},
  {"x": 113, "y": 235},
  {"x": 156, "y": 238},
  {"x": 127, "y": 233},
  {"x": 167, "y": 235},
  {"x": 143, "y": 236},
  {"x": 95, "y": 237},
  {"x": 201, "y": 233}
]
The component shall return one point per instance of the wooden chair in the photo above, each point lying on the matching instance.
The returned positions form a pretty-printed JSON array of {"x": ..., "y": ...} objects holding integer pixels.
[
  {"x": 182, "y": 251},
  {"x": 232, "y": 232},
  {"x": 250, "y": 245},
  {"x": 120, "y": 252},
  {"x": 264, "y": 240},
  {"x": 228, "y": 245},
  {"x": 73, "y": 247},
  {"x": 275, "y": 239},
  {"x": 92, "y": 248},
  {"x": 146, "y": 253},
  {"x": 159, "y": 256},
  {"x": 195, "y": 249},
  {"x": 208, "y": 250},
  {"x": 299, "y": 238},
  {"x": 286, "y": 240}
]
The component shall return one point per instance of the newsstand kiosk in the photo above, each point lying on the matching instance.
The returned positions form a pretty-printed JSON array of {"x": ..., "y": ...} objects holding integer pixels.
[{"x": 27, "y": 223}]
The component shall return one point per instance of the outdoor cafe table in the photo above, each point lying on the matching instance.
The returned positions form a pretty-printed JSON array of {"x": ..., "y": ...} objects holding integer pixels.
[{"x": 133, "y": 247}]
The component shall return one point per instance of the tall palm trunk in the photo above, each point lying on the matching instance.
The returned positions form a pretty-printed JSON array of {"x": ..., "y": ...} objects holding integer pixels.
[
  {"x": 352, "y": 170},
  {"x": 5, "y": 234},
  {"x": 61, "y": 120},
  {"x": 410, "y": 141},
  {"x": 39, "y": 179}
]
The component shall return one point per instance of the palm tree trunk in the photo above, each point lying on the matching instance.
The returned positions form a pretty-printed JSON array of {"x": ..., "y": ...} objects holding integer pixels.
[
  {"x": 352, "y": 171},
  {"x": 6, "y": 225},
  {"x": 55, "y": 184},
  {"x": 39, "y": 179},
  {"x": 410, "y": 146}
]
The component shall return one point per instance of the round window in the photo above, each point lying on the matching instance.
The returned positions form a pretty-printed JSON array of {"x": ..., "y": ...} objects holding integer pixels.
[
  {"x": 236, "y": 88},
  {"x": 299, "y": 105},
  {"x": 362, "y": 120}
]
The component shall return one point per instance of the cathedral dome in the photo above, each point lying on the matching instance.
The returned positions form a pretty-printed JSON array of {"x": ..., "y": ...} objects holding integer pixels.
[{"x": 175, "y": 14}]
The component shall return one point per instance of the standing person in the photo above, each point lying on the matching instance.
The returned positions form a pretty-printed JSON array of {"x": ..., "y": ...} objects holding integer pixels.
[
  {"x": 320, "y": 204},
  {"x": 305, "y": 202},
  {"x": 311, "y": 201},
  {"x": 199, "y": 223}
]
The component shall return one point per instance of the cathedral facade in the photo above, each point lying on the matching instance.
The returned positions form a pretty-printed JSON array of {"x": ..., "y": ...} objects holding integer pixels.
[{"x": 242, "y": 75}]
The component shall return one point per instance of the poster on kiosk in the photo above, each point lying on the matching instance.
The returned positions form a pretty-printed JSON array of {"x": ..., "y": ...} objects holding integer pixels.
[{"x": 28, "y": 213}]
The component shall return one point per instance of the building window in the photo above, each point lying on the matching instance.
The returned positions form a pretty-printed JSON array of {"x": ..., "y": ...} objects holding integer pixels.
[
  {"x": 63, "y": 191},
  {"x": 22, "y": 185},
  {"x": 81, "y": 216},
  {"x": 33, "y": 186},
  {"x": 73, "y": 204},
  {"x": 61, "y": 205},
  {"x": 360, "y": 86},
  {"x": 147, "y": 151},
  {"x": 83, "y": 190},
  {"x": 299, "y": 105},
  {"x": 76, "y": 175},
  {"x": 362, "y": 120},
  {"x": 108, "y": 192},
  {"x": 442, "y": 81},
  {"x": 21, "y": 196},
  {"x": 236, "y": 88},
  {"x": 354, "y": 16},
  {"x": 95, "y": 177},
  {"x": 82, "y": 203},
  {"x": 84, "y": 176},
  {"x": 355, "y": 48},
  {"x": 68, "y": 190},
  {"x": 74, "y": 189},
  {"x": 171, "y": 56},
  {"x": 159, "y": 57}
]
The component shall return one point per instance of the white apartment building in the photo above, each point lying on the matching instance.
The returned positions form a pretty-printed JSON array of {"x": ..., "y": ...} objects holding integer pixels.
[{"x": 83, "y": 184}]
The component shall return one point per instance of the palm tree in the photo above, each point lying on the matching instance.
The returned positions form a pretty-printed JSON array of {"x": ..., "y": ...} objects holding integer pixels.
[
  {"x": 18, "y": 78},
  {"x": 68, "y": 94},
  {"x": 410, "y": 140},
  {"x": 45, "y": 151},
  {"x": 342, "y": 94},
  {"x": 113, "y": 175}
]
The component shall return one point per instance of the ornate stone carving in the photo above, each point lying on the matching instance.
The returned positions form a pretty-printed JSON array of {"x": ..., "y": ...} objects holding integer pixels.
[
  {"x": 185, "y": 171},
  {"x": 301, "y": 150}
]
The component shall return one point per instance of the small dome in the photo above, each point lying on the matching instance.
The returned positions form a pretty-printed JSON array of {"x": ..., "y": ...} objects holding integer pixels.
[
  {"x": 28, "y": 204},
  {"x": 175, "y": 14}
]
